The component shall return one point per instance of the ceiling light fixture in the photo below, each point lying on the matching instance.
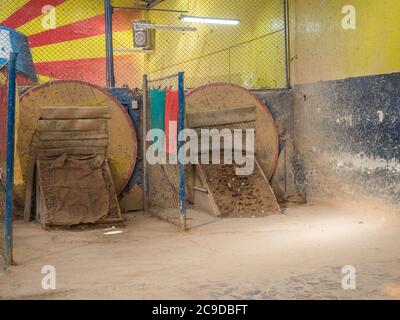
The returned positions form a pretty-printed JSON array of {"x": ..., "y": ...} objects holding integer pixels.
[{"x": 210, "y": 20}]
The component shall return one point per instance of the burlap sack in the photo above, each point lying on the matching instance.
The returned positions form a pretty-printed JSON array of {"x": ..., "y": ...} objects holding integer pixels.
[{"x": 72, "y": 190}]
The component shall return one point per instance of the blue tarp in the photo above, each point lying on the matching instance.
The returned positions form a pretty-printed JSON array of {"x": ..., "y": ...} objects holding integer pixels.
[{"x": 14, "y": 41}]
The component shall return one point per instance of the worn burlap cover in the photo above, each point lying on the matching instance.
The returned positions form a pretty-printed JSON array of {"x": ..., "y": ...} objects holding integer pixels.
[{"x": 73, "y": 190}]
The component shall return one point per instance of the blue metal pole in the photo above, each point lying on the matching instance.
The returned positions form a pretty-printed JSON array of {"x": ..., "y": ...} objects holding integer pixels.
[
  {"x": 108, "y": 10},
  {"x": 181, "y": 126},
  {"x": 144, "y": 143},
  {"x": 10, "y": 154},
  {"x": 287, "y": 65}
]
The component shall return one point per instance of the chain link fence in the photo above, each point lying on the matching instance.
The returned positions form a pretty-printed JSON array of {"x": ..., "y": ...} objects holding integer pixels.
[
  {"x": 67, "y": 40},
  {"x": 8, "y": 95},
  {"x": 251, "y": 54}
]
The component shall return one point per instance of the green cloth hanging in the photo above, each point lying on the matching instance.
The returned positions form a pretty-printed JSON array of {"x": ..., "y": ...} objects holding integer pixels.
[{"x": 157, "y": 110}]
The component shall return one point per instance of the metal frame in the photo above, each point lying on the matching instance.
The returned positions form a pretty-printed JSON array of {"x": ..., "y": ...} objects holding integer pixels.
[
  {"x": 109, "y": 10},
  {"x": 12, "y": 87},
  {"x": 148, "y": 26},
  {"x": 286, "y": 30},
  {"x": 133, "y": 50},
  {"x": 181, "y": 126},
  {"x": 150, "y": 9},
  {"x": 153, "y": 3},
  {"x": 110, "y": 74}
]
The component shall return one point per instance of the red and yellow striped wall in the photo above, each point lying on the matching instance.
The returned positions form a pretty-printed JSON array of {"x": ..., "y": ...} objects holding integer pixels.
[{"x": 75, "y": 49}]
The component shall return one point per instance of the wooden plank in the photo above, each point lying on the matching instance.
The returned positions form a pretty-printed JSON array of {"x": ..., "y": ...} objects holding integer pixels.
[
  {"x": 114, "y": 209},
  {"x": 73, "y": 143},
  {"x": 72, "y": 125},
  {"x": 72, "y": 135},
  {"x": 75, "y": 112},
  {"x": 38, "y": 197},
  {"x": 30, "y": 179},
  {"x": 274, "y": 202},
  {"x": 203, "y": 197},
  {"x": 204, "y": 190},
  {"x": 117, "y": 222},
  {"x": 43, "y": 153},
  {"x": 29, "y": 190},
  {"x": 221, "y": 117}
]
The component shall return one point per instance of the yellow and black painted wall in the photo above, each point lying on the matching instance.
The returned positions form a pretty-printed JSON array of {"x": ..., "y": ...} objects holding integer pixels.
[{"x": 345, "y": 75}]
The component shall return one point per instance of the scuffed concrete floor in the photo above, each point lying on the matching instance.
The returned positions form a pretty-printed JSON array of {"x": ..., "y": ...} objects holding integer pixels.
[{"x": 298, "y": 255}]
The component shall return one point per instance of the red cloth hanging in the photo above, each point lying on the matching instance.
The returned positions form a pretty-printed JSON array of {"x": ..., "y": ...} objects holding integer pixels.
[{"x": 171, "y": 120}]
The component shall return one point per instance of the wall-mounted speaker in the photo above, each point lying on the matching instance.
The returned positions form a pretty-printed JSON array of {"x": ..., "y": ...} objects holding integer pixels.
[{"x": 142, "y": 37}]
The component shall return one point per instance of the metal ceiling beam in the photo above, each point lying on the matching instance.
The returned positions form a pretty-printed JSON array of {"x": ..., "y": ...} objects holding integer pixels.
[{"x": 153, "y": 3}]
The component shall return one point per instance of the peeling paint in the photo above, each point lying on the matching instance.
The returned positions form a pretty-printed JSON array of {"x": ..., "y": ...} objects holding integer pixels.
[
  {"x": 381, "y": 115},
  {"x": 352, "y": 146}
]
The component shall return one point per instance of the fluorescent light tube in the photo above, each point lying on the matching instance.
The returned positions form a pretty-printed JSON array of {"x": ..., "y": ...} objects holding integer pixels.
[{"x": 210, "y": 20}]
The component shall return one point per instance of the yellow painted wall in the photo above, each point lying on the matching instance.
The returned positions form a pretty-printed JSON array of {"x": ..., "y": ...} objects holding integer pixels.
[
  {"x": 322, "y": 50},
  {"x": 251, "y": 54}
]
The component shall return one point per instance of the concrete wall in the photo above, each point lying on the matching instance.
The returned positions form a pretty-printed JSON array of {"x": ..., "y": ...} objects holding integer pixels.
[
  {"x": 280, "y": 104},
  {"x": 346, "y": 99}
]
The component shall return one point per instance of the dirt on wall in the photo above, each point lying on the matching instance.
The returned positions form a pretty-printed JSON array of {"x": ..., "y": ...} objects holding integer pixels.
[{"x": 347, "y": 139}]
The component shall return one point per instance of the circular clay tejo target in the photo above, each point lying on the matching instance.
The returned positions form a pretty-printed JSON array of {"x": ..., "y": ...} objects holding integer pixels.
[
  {"x": 217, "y": 96},
  {"x": 122, "y": 147}
]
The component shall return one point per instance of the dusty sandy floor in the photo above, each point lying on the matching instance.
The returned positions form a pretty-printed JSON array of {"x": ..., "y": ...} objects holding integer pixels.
[{"x": 298, "y": 255}]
